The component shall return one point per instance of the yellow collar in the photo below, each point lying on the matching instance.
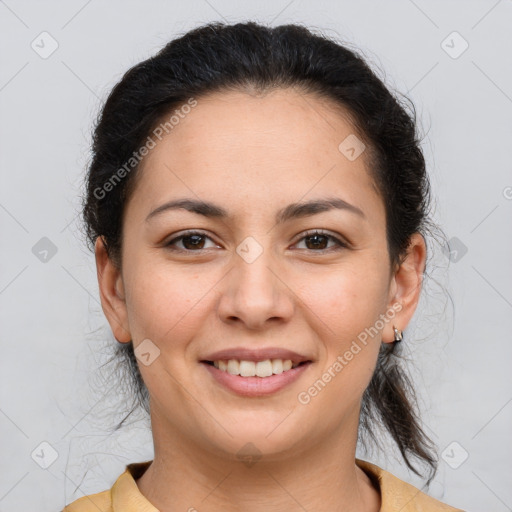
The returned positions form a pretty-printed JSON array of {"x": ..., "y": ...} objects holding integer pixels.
[{"x": 125, "y": 496}]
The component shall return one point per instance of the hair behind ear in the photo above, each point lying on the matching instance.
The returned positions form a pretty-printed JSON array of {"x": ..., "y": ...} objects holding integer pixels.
[{"x": 390, "y": 399}]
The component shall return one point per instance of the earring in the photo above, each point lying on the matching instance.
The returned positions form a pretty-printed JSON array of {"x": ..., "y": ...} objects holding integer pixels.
[{"x": 398, "y": 334}]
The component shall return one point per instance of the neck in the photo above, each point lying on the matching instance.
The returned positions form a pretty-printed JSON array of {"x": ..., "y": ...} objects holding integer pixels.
[{"x": 323, "y": 478}]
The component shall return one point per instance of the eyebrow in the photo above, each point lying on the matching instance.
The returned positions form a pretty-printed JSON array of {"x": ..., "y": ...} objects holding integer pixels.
[{"x": 292, "y": 211}]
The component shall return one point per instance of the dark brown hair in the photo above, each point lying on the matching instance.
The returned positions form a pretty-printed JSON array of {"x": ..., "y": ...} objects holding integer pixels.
[{"x": 253, "y": 57}]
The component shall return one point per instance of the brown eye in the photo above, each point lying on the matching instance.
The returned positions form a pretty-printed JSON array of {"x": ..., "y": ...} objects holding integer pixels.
[
  {"x": 317, "y": 241},
  {"x": 192, "y": 241}
]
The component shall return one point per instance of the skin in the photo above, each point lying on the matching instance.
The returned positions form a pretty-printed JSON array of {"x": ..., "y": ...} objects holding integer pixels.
[{"x": 253, "y": 156}]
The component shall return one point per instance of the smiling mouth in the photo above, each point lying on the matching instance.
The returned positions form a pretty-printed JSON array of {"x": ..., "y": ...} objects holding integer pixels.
[{"x": 262, "y": 369}]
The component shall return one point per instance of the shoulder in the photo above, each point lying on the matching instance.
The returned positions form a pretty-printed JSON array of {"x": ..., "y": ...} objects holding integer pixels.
[
  {"x": 99, "y": 502},
  {"x": 399, "y": 495},
  {"x": 124, "y": 496}
]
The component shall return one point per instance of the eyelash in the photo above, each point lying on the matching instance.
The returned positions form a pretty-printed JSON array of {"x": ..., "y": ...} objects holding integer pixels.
[{"x": 339, "y": 243}]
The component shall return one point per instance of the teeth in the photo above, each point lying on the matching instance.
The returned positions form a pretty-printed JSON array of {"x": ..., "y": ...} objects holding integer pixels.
[
  {"x": 251, "y": 369},
  {"x": 263, "y": 368},
  {"x": 277, "y": 366},
  {"x": 233, "y": 367},
  {"x": 247, "y": 368}
]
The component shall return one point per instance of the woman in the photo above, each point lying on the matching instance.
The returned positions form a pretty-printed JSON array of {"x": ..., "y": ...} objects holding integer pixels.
[{"x": 258, "y": 204}]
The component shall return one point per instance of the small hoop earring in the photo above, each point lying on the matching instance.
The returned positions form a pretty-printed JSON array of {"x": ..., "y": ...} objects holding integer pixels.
[{"x": 399, "y": 336}]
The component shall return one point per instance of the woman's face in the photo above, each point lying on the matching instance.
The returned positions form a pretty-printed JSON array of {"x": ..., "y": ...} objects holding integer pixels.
[{"x": 254, "y": 279}]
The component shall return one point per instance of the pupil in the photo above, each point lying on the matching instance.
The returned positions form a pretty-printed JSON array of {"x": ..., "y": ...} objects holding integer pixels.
[
  {"x": 316, "y": 237},
  {"x": 194, "y": 244}
]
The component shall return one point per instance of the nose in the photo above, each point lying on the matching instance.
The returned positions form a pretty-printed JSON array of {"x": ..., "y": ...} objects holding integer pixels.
[{"x": 255, "y": 293}]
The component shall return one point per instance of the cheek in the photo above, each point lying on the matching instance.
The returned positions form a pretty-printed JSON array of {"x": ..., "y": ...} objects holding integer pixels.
[
  {"x": 344, "y": 301},
  {"x": 346, "y": 305},
  {"x": 165, "y": 303}
]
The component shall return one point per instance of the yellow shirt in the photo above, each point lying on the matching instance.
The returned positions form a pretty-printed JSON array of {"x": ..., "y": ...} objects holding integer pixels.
[{"x": 124, "y": 496}]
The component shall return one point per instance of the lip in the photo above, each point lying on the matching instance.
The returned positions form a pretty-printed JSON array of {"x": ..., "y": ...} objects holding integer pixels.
[
  {"x": 256, "y": 386},
  {"x": 256, "y": 355}
]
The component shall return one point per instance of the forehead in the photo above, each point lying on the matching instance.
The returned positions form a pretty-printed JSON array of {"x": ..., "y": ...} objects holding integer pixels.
[{"x": 255, "y": 151}]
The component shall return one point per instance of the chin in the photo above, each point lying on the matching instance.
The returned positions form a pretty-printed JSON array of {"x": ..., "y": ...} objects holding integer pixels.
[{"x": 268, "y": 436}]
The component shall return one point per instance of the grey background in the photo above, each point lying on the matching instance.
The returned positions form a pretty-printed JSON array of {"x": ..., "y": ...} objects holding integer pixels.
[{"x": 54, "y": 335}]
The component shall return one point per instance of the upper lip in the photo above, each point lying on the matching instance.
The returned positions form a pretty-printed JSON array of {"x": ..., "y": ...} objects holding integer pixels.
[{"x": 260, "y": 354}]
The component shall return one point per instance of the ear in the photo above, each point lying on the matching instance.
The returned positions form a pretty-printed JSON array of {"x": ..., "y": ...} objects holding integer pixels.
[
  {"x": 112, "y": 293},
  {"x": 405, "y": 287}
]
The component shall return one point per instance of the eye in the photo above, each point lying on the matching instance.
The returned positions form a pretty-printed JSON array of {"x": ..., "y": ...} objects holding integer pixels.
[
  {"x": 194, "y": 241},
  {"x": 191, "y": 240},
  {"x": 316, "y": 240}
]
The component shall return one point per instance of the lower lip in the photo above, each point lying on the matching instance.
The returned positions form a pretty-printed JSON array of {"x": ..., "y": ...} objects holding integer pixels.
[{"x": 256, "y": 386}]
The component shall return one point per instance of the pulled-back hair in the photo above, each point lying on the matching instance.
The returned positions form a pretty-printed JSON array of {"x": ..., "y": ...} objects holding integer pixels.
[{"x": 255, "y": 58}]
